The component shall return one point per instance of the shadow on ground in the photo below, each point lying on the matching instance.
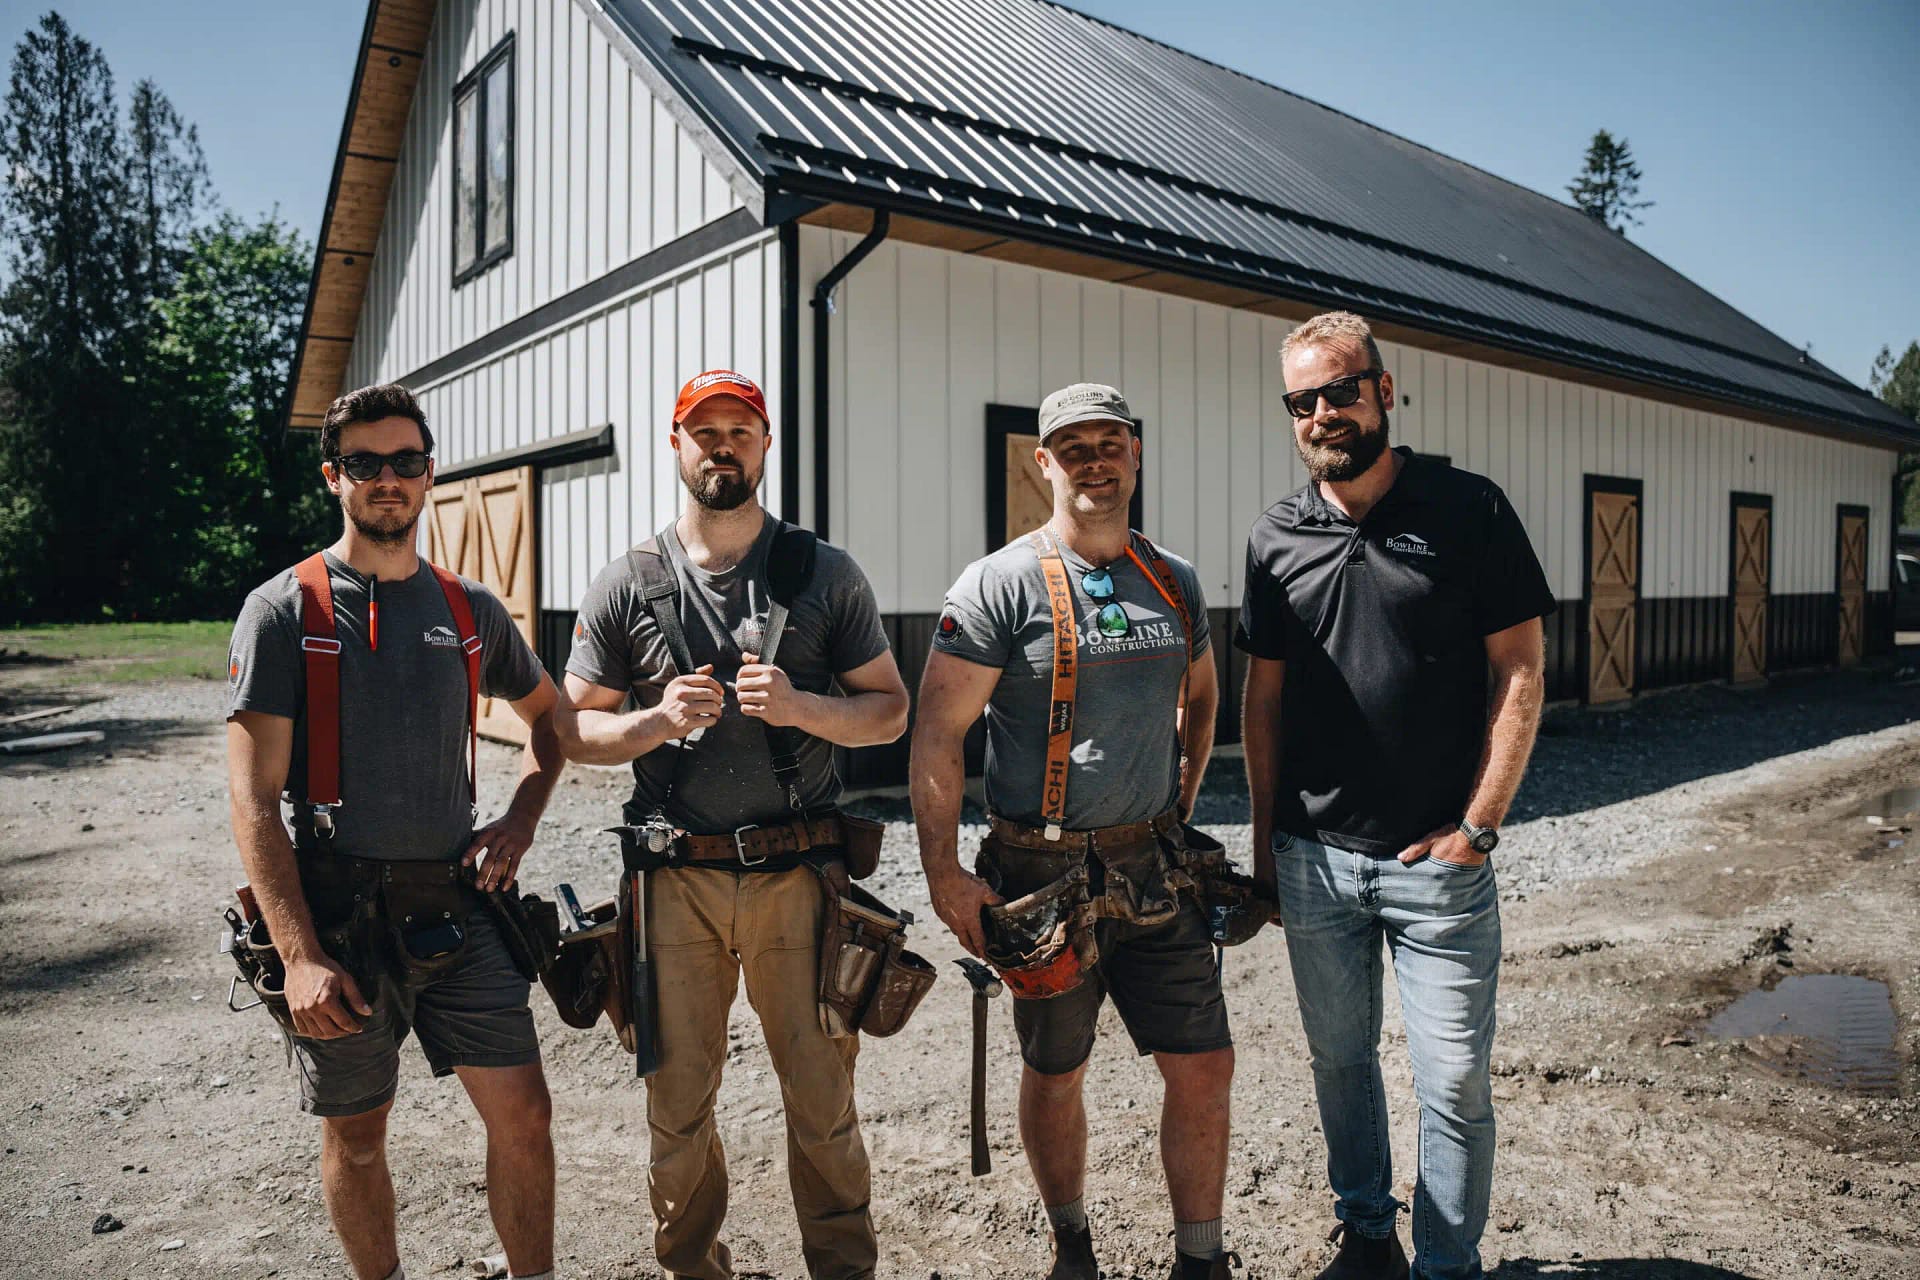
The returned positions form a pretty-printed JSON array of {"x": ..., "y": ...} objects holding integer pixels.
[
  {"x": 130, "y": 736},
  {"x": 1615, "y": 1269},
  {"x": 1587, "y": 758}
]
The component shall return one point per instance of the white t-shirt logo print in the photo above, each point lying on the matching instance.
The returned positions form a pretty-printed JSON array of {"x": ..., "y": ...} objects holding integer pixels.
[
  {"x": 442, "y": 637},
  {"x": 1409, "y": 544}
]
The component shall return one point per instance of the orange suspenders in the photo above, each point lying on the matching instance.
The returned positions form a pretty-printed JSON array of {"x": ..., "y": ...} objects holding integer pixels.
[
  {"x": 1066, "y": 663},
  {"x": 320, "y": 647}
]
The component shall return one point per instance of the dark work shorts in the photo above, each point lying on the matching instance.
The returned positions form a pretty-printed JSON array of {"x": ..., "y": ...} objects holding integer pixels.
[
  {"x": 473, "y": 1015},
  {"x": 1165, "y": 987}
]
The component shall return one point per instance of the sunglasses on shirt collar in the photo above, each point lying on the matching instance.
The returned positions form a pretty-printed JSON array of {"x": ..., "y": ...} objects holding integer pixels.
[
  {"x": 1340, "y": 393},
  {"x": 408, "y": 464},
  {"x": 1113, "y": 620}
]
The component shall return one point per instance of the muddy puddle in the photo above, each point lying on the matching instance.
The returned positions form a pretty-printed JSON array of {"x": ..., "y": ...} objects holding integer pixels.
[{"x": 1831, "y": 1029}]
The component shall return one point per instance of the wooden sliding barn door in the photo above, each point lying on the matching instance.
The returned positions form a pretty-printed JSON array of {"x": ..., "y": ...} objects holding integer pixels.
[
  {"x": 1752, "y": 584},
  {"x": 1851, "y": 584},
  {"x": 1613, "y": 591},
  {"x": 483, "y": 528}
]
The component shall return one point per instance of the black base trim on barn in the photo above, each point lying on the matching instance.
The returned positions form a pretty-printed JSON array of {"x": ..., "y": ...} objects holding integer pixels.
[{"x": 1683, "y": 640}]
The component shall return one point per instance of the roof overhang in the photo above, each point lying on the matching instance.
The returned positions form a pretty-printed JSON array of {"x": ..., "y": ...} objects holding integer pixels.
[
  {"x": 392, "y": 45},
  {"x": 1412, "y": 322}
]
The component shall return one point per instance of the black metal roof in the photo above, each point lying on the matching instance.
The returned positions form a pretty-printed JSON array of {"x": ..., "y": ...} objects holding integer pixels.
[{"x": 1043, "y": 123}]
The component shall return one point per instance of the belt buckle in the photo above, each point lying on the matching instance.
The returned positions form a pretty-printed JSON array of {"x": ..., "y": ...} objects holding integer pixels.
[{"x": 740, "y": 848}]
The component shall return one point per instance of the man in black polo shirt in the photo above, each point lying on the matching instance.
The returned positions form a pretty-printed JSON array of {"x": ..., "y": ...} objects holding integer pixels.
[{"x": 1381, "y": 762}]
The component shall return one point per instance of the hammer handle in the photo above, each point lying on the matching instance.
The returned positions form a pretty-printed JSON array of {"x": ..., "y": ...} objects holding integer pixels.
[{"x": 982, "y": 1157}]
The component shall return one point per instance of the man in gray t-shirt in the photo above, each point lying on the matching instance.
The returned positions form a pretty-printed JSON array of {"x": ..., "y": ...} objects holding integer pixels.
[
  {"x": 361, "y": 865},
  {"x": 1086, "y": 648},
  {"x": 740, "y": 900}
]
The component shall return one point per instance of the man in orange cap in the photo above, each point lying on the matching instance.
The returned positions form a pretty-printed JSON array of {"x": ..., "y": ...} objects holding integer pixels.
[{"x": 733, "y": 772}]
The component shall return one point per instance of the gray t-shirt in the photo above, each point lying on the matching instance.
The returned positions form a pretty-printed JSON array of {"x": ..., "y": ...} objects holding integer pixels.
[
  {"x": 1126, "y": 753},
  {"x": 726, "y": 779},
  {"x": 403, "y": 709}
]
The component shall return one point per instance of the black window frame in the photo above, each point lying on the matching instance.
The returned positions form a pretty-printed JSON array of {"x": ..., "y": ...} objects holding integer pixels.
[{"x": 474, "y": 82}]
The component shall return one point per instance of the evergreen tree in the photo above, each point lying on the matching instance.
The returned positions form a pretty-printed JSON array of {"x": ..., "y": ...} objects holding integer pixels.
[
  {"x": 1605, "y": 189},
  {"x": 1898, "y": 383}
]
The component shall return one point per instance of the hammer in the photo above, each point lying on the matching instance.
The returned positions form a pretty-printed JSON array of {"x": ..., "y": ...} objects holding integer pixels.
[{"x": 986, "y": 985}]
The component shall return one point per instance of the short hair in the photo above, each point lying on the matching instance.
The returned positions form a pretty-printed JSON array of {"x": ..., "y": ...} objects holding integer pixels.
[
  {"x": 1334, "y": 326},
  {"x": 371, "y": 404}
]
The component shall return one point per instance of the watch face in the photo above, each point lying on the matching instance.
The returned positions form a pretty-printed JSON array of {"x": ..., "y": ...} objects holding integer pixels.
[{"x": 1485, "y": 841}]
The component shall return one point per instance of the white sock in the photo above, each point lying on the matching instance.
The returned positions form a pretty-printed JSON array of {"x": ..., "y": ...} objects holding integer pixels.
[
  {"x": 544, "y": 1275},
  {"x": 1068, "y": 1218},
  {"x": 1198, "y": 1239},
  {"x": 399, "y": 1272}
]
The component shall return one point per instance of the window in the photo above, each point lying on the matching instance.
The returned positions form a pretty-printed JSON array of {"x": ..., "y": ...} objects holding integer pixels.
[{"x": 483, "y": 165}]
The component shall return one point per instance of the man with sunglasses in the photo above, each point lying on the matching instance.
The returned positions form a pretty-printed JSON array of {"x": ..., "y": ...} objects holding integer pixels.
[
  {"x": 1087, "y": 650},
  {"x": 352, "y": 690},
  {"x": 687, "y": 665},
  {"x": 1381, "y": 762}
]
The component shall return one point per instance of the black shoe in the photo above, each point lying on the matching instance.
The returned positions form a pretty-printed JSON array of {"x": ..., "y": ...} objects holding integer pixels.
[
  {"x": 1073, "y": 1256},
  {"x": 1188, "y": 1267},
  {"x": 1363, "y": 1257}
]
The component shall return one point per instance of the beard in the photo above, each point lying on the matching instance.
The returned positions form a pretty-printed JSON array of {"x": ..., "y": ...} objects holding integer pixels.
[
  {"x": 718, "y": 490},
  {"x": 1349, "y": 459},
  {"x": 383, "y": 526}
]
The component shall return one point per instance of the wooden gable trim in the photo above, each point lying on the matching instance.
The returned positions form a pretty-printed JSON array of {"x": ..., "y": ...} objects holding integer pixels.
[
  {"x": 387, "y": 72},
  {"x": 856, "y": 220},
  {"x": 393, "y": 44}
]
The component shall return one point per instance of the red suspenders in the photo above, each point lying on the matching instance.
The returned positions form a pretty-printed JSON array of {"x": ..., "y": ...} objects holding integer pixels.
[{"x": 320, "y": 647}]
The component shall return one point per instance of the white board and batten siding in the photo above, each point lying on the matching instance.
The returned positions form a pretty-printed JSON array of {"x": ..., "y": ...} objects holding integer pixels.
[
  {"x": 623, "y": 364},
  {"x": 603, "y": 174},
  {"x": 924, "y": 339}
]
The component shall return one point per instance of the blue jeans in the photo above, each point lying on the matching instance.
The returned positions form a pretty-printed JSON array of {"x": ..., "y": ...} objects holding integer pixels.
[{"x": 1442, "y": 924}]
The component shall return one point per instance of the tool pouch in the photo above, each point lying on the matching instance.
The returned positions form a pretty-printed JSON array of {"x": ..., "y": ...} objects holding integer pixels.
[
  {"x": 860, "y": 844},
  {"x": 581, "y": 978},
  {"x": 1235, "y": 909},
  {"x": 1041, "y": 938},
  {"x": 265, "y": 972},
  {"x": 427, "y": 908},
  {"x": 869, "y": 981},
  {"x": 1136, "y": 882},
  {"x": 343, "y": 896},
  {"x": 530, "y": 928}
]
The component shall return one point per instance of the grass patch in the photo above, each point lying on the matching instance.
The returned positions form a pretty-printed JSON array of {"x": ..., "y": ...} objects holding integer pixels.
[{"x": 116, "y": 652}]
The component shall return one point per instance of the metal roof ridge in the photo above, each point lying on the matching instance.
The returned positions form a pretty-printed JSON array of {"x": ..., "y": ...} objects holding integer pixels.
[{"x": 1195, "y": 186}]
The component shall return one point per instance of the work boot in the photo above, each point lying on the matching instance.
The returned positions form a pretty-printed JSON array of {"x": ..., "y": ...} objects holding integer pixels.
[
  {"x": 1188, "y": 1267},
  {"x": 1363, "y": 1257},
  {"x": 1073, "y": 1257}
]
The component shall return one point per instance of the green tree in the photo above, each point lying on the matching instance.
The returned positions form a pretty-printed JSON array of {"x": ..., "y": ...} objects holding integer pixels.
[
  {"x": 61, "y": 313},
  {"x": 242, "y": 493},
  {"x": 1898, "y": 383},
  {"x": 1605, "y": 189}
]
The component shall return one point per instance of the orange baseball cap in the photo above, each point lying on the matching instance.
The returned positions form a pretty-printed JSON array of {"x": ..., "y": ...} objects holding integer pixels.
[{"x": 719, "y": 382}]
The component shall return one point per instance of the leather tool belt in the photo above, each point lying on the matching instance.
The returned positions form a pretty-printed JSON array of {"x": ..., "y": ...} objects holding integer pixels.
[{"x": 769, "y": 847}]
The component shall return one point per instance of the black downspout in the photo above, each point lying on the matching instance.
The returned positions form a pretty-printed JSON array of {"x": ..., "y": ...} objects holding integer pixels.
[
  {"x": 822, "y": 312},
  {"x": 790, "y": 371}
]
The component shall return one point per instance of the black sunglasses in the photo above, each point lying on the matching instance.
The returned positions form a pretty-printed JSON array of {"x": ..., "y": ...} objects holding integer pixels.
[
  {"x": 408, "y": 464},
  {"x": 1113, "y": 620},
  {"x": 1340, "y": 393}
]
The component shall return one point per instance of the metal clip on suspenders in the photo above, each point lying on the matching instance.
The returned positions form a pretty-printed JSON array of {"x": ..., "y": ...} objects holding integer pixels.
[{"x": 320, "y": 646}]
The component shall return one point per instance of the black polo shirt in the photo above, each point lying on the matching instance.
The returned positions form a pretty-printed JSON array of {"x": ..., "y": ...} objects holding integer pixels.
[{"x": 1381, "y": 625}]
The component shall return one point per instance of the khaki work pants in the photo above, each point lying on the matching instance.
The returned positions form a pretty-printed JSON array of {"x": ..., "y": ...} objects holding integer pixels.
[{"x": 706, "y": 927}]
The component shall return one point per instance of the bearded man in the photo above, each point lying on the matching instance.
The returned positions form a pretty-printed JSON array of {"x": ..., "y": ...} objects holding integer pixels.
[
  {"x": 733, "y": 769},
  {"x": 1380, "y": 765},
  {"x": 369, "y": 899}
]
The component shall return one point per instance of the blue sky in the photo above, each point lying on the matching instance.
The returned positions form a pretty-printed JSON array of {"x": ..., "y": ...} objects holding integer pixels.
[{"x": 1778, "y": 140}]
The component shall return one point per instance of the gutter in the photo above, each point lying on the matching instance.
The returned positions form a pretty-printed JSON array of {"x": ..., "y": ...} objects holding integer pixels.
[{"x": 822, "y": 315}]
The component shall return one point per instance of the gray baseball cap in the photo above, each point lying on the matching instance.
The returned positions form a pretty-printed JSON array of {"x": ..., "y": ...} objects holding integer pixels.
[{"x": 1082, "y": 402}]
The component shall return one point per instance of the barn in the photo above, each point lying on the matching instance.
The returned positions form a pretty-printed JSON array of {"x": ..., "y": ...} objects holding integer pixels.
[{"x": 910, "y": 219}]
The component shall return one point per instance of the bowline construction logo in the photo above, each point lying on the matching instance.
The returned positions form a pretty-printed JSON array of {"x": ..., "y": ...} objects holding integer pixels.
[
  {"x": 1409, "y": 544},
  {"x": 441, "y": 637}
]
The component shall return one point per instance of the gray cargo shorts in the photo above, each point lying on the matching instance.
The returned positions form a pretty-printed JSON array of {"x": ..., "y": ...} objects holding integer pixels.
[{"x": 473, "y": 1015}]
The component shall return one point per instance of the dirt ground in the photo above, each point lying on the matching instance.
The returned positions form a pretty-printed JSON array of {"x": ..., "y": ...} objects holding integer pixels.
[{"x": 1631, "y": 1145}]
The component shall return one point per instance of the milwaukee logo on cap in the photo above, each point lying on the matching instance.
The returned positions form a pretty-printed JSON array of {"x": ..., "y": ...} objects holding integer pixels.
[{"x": 719, "y": 382}]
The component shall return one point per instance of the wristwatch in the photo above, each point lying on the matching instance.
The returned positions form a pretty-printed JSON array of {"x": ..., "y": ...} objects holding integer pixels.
[{"x": 1482, "y": 839}]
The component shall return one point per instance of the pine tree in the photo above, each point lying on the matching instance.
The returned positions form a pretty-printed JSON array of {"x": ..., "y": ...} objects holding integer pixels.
[{"x": 1606, "y": 188}]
